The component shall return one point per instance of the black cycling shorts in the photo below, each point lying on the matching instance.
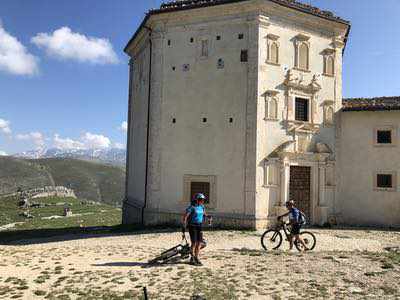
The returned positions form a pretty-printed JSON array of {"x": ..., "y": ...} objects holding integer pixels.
[
  {"x": 295, "y": 229},
  {"x": 196, "y": 233}
]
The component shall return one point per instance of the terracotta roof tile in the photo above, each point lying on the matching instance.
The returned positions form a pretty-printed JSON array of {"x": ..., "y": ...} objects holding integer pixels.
[
  {"x": 371, "y": 104},
  {"x": 190, "y": 4}
]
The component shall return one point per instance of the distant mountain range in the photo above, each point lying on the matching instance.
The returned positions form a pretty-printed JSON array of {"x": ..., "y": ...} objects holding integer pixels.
[{"x": 112, "y": 156}]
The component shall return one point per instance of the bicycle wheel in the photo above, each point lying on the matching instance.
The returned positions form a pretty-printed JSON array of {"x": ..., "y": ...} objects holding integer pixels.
[
  {"x": 271, "y": 240},
  {"x": 308, "y": 238},
  {"x": 166, "y": 255}
]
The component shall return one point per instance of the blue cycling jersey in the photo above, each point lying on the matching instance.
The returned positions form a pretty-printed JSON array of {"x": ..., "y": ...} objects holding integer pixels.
[{"x": 196, "y": 214}]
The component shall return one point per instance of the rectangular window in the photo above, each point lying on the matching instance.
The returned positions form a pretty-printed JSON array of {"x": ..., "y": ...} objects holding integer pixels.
[
  {"x": 301, "y": 109},
  {"x": 244, "y": 56},
  {"x": 200, "y": 187},
  {"x": 240, "y": 36},
  {"x": 384, "y": 136},
  {"x": 204, "y": 48},
  {"x": 384, "y": 181}
]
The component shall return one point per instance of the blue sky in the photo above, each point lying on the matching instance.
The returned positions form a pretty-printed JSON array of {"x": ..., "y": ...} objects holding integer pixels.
[{"x": 71, "y": 97}]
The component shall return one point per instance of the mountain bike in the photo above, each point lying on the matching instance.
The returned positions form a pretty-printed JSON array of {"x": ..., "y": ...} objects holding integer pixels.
[
  {"x": 272, "y": 238},
  {"x": 182, "y": 249}
]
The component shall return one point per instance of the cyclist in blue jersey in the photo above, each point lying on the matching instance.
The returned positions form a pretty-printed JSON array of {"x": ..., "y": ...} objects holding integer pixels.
[
  {"x": 193, "y": 219},
  {"x": 296, "y": 220}
]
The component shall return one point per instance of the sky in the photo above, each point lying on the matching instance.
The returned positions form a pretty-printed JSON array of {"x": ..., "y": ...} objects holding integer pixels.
[{"x": 64, "y": 76}]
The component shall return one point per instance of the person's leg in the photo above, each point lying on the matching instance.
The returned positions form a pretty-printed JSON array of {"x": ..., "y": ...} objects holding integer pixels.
[
  {"x": 291, "y": 238},
  {"x": 299, "y": 239}
]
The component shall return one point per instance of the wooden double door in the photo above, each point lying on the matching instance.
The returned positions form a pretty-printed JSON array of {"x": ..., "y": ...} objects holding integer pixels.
[{"x": 300, "y": 188}]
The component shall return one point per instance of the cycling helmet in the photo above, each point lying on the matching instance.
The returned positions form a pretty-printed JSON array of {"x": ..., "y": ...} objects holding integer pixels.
[
  {"x": 289, "y": 203},
  {"x": 199, "y": 196}
]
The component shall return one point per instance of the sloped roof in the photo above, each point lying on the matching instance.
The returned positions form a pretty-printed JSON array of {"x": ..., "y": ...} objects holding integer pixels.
[
  {"x": 371, "y": 104},
  {"x": 192, "y": 4}
]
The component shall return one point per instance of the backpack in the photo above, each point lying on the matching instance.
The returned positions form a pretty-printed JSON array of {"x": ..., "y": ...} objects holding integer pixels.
[{"x": 302, "y": 218}]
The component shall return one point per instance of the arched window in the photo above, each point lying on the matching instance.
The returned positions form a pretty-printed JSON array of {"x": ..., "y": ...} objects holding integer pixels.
[
  {"x": 329, "y": 115},
  {"x": 272, "y": 108},
  {"x": 271, "y": 105},
  {"x": 303, "y": 56},
  {"x": 274, "y": 53},
  {"x": 329, "y": 65},
  {"x": 272, "y": 49}
]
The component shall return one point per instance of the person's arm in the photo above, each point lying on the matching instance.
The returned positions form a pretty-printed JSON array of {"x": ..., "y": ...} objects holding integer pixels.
[
  {"x": 285, "y": 215},
  {"x": 185, "y": 217}
]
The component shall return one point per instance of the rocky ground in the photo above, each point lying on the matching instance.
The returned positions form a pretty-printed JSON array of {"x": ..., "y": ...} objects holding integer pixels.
[{"x": 346, "y": 264}]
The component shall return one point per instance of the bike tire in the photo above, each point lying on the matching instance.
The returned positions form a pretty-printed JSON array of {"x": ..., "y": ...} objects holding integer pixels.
[
  {"x": 275, "y": 235},
  {"x": 309, "y": 239},
  {"x": 166, "y": 255}
]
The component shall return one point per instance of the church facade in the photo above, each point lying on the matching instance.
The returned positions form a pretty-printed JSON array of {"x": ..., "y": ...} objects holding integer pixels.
[{"x": 242, "y": 100}]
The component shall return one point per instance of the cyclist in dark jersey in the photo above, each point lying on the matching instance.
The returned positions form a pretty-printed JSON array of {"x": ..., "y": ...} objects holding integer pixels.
[
  {"x": 193, "y": 219},
  {"x": 295, "y": 220}
]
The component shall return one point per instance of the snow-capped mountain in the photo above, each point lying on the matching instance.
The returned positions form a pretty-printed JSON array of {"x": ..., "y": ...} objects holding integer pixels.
[{"x": 113, "y": 156}]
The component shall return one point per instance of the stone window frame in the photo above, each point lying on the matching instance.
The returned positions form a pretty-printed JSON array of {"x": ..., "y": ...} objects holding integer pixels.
[
  {"x": 201, "y": 53},
  {"x": 301, "y": 39},
  {"x": 392, "y": 129},
  {"x": 271, "y": 173},
  {"x": 394, "y": 181},
  {"x": 328, "y": 105},
  {"x": 212, "y": 179},
  {"x": 273, "y": 39},
  {"x": 310, "y": 118},
  {"x": 328, "y": 54},
  {"x": 271, "y": 96}
]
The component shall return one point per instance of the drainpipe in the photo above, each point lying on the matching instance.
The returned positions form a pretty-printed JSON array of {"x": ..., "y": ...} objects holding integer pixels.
[{"x": 148, "y": 123}]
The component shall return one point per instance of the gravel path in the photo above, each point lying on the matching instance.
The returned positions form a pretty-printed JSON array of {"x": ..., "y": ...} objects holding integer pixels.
[{"x": 346, "y": 263}]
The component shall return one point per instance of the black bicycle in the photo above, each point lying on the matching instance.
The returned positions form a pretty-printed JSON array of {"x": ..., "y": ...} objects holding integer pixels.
[
  {"x": 272, "y": 238},
  {"x": 183, "y": 249}
]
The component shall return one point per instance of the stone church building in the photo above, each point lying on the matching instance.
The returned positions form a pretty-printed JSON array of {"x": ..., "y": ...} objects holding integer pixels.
[{"x": 242, "y": 100}]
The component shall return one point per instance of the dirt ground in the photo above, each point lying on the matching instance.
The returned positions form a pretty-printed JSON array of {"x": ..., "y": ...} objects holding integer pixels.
[{"x": 346, "y": 264}]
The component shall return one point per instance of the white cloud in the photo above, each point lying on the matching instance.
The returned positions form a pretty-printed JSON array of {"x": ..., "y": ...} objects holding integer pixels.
[
  {"x": 5, "y": 126},
  {"x": 65, "y": 44},
  {"x": 123, "y": 126},
  {"x": 95, "y": 141},
  {"x": 119, "y": 146},
  {"x": 14, "y": 57},
  {"x": 2, "y": 153},
  {"x": 67, "y": 143},
  {"x": 87, "y": 141},
  {"x": 35, "y": 137}
]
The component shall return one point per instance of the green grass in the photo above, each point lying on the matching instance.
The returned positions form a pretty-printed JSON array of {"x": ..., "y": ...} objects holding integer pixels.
[
  {"x": 87, "y": 214},
  {"x": 90, "y": 180}
]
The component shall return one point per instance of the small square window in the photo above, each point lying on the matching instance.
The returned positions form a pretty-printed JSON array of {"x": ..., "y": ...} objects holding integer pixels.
[
  {"x": 204, "y": 120},
  {"x": 244, "y": 56},
  {"x": 301, "y": 113},
  {"x": 174, "y": 120},
  {"x": 230, "y": 120},
  {"x": 169, "y": 42},
  {"x": 384, "y": 181},
  {"x": 218, "y": 37},
  {"x": 384, "y": 136},
  {"x": 191, "y": 40},
  {"x": 220, "y": 63},
  {"x": 186, "y": 67},
  {"x": 173, "y": 68},
  {"x": 240, "y": 36}
]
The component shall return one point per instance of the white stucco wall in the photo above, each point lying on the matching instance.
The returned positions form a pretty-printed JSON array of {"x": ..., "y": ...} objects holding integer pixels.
[
  {"x": 359, "y": 203},
  {"x": 233, "y": 153}
]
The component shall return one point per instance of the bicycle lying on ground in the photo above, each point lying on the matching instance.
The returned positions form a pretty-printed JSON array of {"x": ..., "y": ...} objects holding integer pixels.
[
  {"x": 182, "y": 249},
  {"x": 272, "y": 238}
]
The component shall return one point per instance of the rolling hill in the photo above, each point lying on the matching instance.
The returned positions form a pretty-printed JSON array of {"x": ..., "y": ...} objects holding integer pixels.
[{"x": 90, "y": 180}]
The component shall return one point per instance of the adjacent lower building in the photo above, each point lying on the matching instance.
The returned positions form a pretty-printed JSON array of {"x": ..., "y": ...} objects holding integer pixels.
[{"x": 242, "y": 100}]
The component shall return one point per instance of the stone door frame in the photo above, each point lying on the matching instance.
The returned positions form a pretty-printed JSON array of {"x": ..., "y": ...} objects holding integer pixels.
[{"x": 317, "y": 164}]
